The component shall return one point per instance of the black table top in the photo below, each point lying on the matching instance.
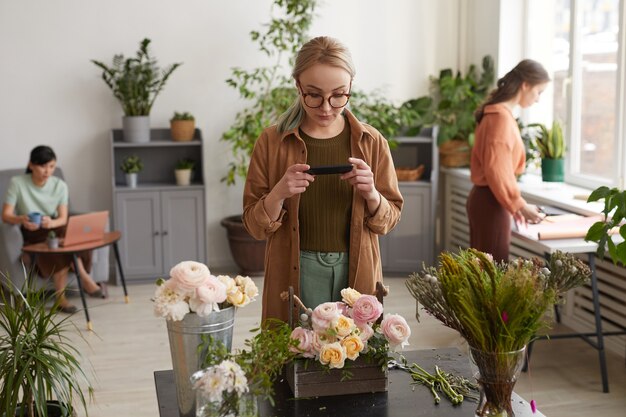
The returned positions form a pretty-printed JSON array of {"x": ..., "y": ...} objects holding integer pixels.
[{"x": 402, "y": 399}]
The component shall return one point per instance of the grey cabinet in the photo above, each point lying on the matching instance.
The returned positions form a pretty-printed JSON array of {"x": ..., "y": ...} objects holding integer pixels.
[
  {"x": 161, "y": 223},
  {"x": 412, "y": 242}
]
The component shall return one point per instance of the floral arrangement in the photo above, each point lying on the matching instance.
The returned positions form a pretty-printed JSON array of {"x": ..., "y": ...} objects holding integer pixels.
[
  {"x": 230, "y": 382},
  {"x": 498, "y": 308},
  {"x": 336, "y": 331},
  {"x": 495, "y": 307},
  {"x": 192, "y": 288}
]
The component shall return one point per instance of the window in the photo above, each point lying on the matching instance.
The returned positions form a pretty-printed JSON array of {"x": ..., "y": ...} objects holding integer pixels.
[{"x": 581, "y": 46}]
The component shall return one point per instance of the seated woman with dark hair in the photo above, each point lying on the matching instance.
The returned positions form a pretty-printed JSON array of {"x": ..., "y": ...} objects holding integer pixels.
[{"x": 39, "y": 191}]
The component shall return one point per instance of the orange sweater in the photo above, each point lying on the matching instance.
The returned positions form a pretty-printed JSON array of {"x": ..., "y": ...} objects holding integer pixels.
[{"x": 498, "y": 156}]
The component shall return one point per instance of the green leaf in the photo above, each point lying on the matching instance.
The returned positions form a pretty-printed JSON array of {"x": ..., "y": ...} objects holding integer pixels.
[
  {"x": 598, "y": 194},
  {"x": 596, "y": 231}
]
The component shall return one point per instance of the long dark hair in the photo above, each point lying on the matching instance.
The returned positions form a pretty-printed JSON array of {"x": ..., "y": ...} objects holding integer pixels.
[
  {"x": 528, "y": 71},
  {"x": 41, "y": 155}
]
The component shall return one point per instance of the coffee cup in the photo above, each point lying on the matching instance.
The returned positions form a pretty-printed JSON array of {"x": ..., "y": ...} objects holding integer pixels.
[{"x": 34, "y": 217}]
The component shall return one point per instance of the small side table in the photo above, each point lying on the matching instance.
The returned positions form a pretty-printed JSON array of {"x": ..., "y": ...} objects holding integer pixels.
[{"x": 110, "y": 238}]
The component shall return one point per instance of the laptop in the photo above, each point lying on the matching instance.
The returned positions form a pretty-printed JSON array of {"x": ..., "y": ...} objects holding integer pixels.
[{"x": 82, "y": 228}]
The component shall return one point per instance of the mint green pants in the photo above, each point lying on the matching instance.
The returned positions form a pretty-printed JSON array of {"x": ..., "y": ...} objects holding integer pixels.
[{"x": 322, "y": 277}]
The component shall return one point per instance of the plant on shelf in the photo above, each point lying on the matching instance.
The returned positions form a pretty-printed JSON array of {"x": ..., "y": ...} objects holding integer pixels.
[
  {"x": 455, "y": 97},
  {"x": 551, "y": 147},
  {"x": 498, "y": 308},
  {"x": 182, "y": 126},
  {"x": 132, "y": 164},
  {"x": 183, "y": 171},
  {"x": 185, "y": 163},
  {"x": 136, "y": 82},
  {"x": 40, "y": 369},
  {"x": 614, "y": 215}
]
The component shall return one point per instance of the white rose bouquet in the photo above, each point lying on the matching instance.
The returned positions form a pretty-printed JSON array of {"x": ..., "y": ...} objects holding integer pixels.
[
  {"x": 192, "y": 288},
  {"x": 336, "y": 331}
]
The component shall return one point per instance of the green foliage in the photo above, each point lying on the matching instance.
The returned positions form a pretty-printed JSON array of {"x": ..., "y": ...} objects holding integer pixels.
[
  {"x": 38, "y": 361},
  {"x": 131, "y": 164},
  {"x": 614, "y": 213},
  {"x": 52, "y": 234},
  {"x": 532, "y": 153},
  {"x": 182, "y": 116},
  {"x": 268, "y": 88},
  {"x": 548, "y": 142},
  {"x": 262, "y": 359},
  {"x": 185, "y": 163},
  {"x": 495, "y": 307},
  {"x": 456, "y": 97},
  {"x": 136, "y": 81}
]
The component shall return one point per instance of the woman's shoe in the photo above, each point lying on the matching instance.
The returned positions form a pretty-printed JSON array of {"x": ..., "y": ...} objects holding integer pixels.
[
  {"x": 97, "y": 293},
  {"x": 68, "y": 309}
]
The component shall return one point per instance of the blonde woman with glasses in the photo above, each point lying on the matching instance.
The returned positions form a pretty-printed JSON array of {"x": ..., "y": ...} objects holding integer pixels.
[{"x": 321, "y": 227}]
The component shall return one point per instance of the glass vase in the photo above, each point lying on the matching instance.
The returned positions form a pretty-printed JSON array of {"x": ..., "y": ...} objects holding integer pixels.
[
  {"x": 231, "y": 405},
  {"x": 496, "y": 374}
]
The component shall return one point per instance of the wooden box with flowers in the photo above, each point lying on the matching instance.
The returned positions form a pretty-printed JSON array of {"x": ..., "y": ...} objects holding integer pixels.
[{"x": 343, "y": 347}]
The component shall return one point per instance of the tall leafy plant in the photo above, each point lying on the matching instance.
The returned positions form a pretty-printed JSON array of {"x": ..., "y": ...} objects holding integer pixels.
[
  {"x": 267, "y": 88},
  {"x": 38, "y": 361},
  {"x": 550, "y": 143},
  {"x": 136, "y": 81},
  {"x": 456, "y": 97},
  {"x": 614, "y": 214}
]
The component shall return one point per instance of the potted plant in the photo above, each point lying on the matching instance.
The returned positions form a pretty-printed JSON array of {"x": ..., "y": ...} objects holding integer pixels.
[
  {"x": 131, "y": 166},
  {"x": 182, "y": 126},
  {"x": 551, "y": 147},
  {"x": 183, "y": 171},
  {"x": 455, "y": 98},
  {"x": 136, "y": 82},
  {"x": 40, "y": 371},
  {"x": 53, "y": 240}
]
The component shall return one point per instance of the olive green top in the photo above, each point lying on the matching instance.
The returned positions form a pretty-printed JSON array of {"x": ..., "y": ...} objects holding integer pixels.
[{"x": 326, "y": 205}]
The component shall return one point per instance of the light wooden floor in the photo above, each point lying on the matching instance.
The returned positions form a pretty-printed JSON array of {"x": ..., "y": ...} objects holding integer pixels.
[{"x": 129, "y": 343}]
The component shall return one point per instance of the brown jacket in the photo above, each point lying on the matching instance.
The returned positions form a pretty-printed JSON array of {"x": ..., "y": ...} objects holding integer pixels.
[
  {"x": 498, "y": 156},
  {"x": 273, "y": 154}
]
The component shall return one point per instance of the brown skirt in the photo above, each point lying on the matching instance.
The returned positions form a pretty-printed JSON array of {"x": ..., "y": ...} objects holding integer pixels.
[
  {"x": 48, "y": 264},
  {"x": 490, "y": 223}
]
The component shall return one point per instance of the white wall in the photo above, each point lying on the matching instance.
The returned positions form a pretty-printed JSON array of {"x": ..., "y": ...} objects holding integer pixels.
[{"x": 51, "y": 94}]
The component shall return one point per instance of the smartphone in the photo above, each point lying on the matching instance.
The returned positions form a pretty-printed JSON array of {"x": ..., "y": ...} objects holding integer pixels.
[{"x": 329, "y": 169}]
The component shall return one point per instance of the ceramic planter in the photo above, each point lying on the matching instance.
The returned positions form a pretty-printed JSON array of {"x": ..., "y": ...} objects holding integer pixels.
[
  {"x": 131, "y": 179},
  {"x": 182, "y": 130},
  {"x": 183, "y": 176},
  {"x": 136, "y": 129},
  {"x": 552, "y": 170}
]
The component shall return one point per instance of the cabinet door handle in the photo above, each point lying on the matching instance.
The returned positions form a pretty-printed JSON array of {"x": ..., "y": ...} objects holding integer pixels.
[
  {"x": 156, "y": 233},
  {"x": 165, "y": 233}
]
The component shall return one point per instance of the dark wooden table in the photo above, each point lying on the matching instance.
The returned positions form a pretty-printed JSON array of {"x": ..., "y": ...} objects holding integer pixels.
[
  {"x": 402, "y": 399},
  {"x": 109, "y": 238}
]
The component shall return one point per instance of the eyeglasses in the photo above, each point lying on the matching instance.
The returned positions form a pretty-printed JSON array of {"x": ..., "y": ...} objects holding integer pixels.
[{"x": 314, "y": 100}]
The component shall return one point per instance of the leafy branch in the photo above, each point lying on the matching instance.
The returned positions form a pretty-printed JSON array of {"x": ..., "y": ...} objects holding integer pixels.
[{"x": 614, "y": 215}]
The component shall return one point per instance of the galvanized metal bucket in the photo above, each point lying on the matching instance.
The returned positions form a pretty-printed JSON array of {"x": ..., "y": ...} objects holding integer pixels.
[{"x": 185, "y": 337}]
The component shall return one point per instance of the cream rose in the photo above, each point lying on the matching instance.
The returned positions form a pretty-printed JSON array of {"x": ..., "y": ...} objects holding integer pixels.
[
  {"x": 396, "y": 330},
  {"x": 343, "y": 326},
  {"x": 247, "y": 286},
  {"x": 189, "y": 275},
  {"x": 349, "y": 296},
  {"x": 353, "y": 345},
  {"x": 333, "y": 355}
]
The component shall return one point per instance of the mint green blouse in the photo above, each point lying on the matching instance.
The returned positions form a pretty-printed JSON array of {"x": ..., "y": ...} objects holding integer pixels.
[{"x": 26, "y": 197}]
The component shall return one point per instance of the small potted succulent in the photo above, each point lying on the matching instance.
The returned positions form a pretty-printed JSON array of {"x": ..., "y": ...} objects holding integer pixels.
[
  {"x": 53, "y": 240},
  {"x": 183, "y": 171},
  {"x": 182, "y": 126},
  {"x": 131, "y": 166}
]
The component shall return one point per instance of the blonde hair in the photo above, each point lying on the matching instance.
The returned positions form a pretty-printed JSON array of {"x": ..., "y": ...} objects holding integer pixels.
[{"x": 320, "y": 50}]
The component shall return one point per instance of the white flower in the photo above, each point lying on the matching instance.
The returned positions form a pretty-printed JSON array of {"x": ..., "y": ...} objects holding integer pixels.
[
  {"x": 169, "y": 303},
  {"x": 212, "y": 382},
  {"x": 248, "y": 286},
  {"x": 349, "y": 296}
]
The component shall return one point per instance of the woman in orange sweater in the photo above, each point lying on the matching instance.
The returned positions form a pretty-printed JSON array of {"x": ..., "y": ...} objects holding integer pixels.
[{"x": 498, "y": 157}]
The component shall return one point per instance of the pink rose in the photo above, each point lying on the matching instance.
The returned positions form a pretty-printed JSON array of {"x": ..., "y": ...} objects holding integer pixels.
[
  {"x": 212, "y": 290},
  {"x": 365, "y": 332},
  {"x": 323, "y": 315},
  {"x": 305, "y": 342},
  {"x": 189, "y": 275},
  {"x": 366, "y": 309},
  {"x": 396, "y": 330}
]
